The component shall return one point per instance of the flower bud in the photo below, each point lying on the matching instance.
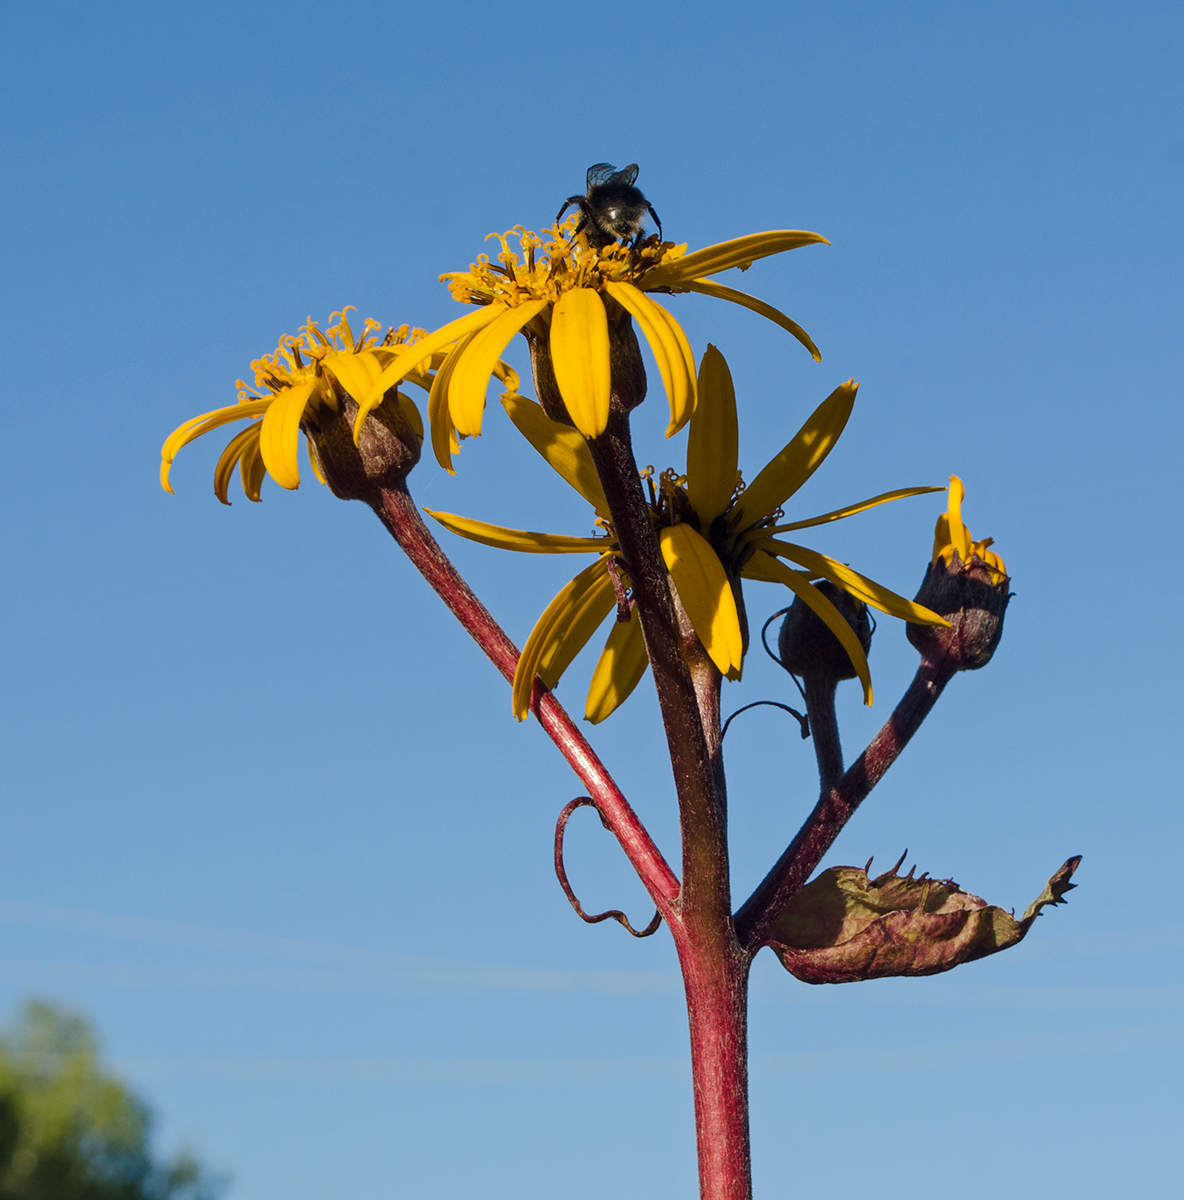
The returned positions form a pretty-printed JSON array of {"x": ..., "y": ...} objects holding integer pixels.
[
  {"x": 967, "y": 584},
  {"x": 389, "y": 446},
  {"x": 807, "y": 647}
]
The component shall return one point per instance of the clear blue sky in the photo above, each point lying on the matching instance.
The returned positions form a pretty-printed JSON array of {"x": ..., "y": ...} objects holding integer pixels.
[{"x": 266, "y": 814}]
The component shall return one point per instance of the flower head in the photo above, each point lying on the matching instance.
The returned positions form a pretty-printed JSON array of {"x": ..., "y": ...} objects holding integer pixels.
[
  {"x": 568, "y": 298},
  {"x": 313, "y": 371},
  {"x": 713, "y": 532}
]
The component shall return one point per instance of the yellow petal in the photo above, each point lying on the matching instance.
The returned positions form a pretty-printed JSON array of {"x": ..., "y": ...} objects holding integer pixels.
[
  {"x": 314, "y": 460},
  {"x": 714, "y": 440},
  {"x": 279, "y": 439},
  {"x": 547, "y": 632},
  {"x": 470, "y": 378},
  {"x": 561, "y": 446},
  {"x": 518, "y": 539},
  {"x": 580, "y": 356},
  {"x": 739, "y": 252},
  {"x": 764, "y": 566},
  {"x": 439, "y": 418},
  {"x": 686, "y": 393},
  {"x": 618, "y": 671},
  {"x": 706, "y": 595},
  {"x": 677, "y": 377},
  {"x": 959, "y": 534},
  {"x": 586, "y": 614},
  {"x": 416, "y": 353},
  {"x": 853, "y": 582},
  {"x": 720, "y": 292},
  {"x": 851, "y": 509},
  {"x": 251, "y": 471},
  {"x": 229, "y": 460},
  {"x": 411, "y": 411},
  {"x": 196, "y": 426},
  {"x": 801, "y": 457},
  {"x": 355, "y": 372}
]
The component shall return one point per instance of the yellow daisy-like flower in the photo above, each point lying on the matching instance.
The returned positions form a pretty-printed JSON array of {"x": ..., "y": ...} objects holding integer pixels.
[
  {"x": 310, "y": 369},
  {"x": 713, "y": 532},
  {"x": 561, "y": 295},
  {"x": 952, "y": 537}
]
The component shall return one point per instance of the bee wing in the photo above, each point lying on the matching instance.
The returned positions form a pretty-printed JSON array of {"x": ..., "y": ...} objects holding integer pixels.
[
  {"x": 626, "y": 175},
  {"x": 600, "y": 173}
]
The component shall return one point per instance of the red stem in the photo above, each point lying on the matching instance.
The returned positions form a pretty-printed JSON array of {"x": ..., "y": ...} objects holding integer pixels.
[{"x": 398, "y": 513}]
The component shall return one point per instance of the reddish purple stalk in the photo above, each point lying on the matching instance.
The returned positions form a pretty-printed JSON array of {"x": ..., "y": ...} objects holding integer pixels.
[{"x": 715, "y": 950}]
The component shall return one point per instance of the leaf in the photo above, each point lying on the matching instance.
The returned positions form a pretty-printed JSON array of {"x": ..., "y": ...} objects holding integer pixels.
[{"x": 844, "y": 927}]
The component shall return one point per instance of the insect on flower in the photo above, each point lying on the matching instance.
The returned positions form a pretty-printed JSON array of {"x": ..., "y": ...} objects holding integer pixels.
[{"x": 612, "y": 208}]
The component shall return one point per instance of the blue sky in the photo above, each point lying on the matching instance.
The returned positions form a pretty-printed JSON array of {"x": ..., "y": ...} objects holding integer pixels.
[{"x": 267, "y": 816}]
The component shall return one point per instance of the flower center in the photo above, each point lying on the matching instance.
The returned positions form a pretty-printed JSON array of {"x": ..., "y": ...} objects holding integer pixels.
[{"x": 568, "y": 261}]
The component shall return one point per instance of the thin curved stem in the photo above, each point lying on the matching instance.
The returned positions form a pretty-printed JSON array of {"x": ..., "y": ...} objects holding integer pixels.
[{"x": 614, "y": 914}]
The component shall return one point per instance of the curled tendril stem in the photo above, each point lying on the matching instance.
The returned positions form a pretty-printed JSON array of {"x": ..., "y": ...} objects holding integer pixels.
[
  {"x": 561, "y": 874},
  {"x": 777, "y": 659},
  {"x": 801, "y": 718}
]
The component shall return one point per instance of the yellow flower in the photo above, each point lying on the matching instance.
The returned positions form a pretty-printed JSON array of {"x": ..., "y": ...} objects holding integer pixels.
[
  {"x": 952, "y": 537},
  {"x": 712, "y": 531},
  {"x": 561, "y": 295},
  {"x": 306, "y": 371}
]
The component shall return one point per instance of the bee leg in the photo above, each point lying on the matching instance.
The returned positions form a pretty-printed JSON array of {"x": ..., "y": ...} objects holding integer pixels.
[
  {"x": 578, "y": 201},
  {"x": 657, "y": 222}
]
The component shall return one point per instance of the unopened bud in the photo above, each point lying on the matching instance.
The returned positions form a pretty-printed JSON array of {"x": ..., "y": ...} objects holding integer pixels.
[
  {"x": 807, "y": 647},
  {"x": 967, "y": 584}
]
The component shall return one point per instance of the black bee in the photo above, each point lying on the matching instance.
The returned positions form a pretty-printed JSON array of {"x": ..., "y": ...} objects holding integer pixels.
[{"x": 612, "y": 208}]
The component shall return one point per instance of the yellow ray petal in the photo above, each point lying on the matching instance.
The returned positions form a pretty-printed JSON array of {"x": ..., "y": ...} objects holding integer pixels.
[
  {"x": 229, "y": 460},
  {"x": 547, "y": 630},
  {"x": 739, "y": 252},
  {"x": 851, "y": 509},
  {"x": 355, "y": 372},
  {"x": 714, "y": 440},
  {"x": 618, "y": 671},
  {"x": 470, "y": 378},
  {"x": 703, "y": 587},
  {"x": 801, "y": 457},
  {"x": 196, "y": 426},
  {"x": 686, "y": 396},
  {"x": 853, "y": 582},
  {"x": 314, "y": 460},
  {"x": 415, "y": 354},
  {"x": 279, "y": 440},
  {"x": 959, "y": 535},
  {"x": 580, "y": 356},
  {"x": 439, "y": 418},
  {"x": 411, "y": 411},
  {"x": 518, "y": 539},
  {"x": 720, "y": 292},
  {"x": 585, "y": 616},
  {"x": 251, "y": 471},
  {"x": 561, "y": 446},
  {"x": 676, "y": 378},
  {"x": 765, "y": 566}
]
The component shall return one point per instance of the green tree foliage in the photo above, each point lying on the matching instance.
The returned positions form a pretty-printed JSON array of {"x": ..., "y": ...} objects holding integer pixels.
[{"x": 69, "y": 1131}]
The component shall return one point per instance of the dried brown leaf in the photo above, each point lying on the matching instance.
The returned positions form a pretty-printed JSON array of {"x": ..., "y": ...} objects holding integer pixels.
[{"x": 843, "y": 927}]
